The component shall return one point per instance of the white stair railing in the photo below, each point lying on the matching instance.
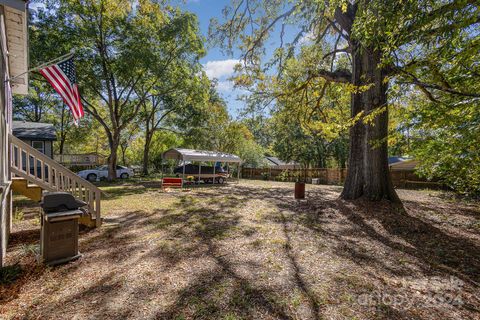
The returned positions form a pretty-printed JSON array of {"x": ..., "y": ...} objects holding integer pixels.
[{"x": 37, "y": 168}]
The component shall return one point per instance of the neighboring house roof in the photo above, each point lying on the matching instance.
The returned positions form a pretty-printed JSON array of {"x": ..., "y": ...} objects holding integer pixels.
[
  {"x": 406, "y": 165},
  {"x": 277, "y": 162},
  {"x": 200, "y": 155},
  {"x": 34, "y": 130}
]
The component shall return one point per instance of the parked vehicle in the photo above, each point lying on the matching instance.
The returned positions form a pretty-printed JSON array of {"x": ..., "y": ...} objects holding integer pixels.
[
  {"x": 205, "y": 174},
  {"x": 101, "y": 172}
]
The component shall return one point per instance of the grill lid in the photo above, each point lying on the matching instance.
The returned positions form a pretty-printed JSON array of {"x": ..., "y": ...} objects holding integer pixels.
[{"x": 60, "y": 201}]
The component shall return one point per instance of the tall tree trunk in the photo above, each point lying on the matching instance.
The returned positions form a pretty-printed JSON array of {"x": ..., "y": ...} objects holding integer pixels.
[
  {"x": 148, "y": 141},
  {"x": 112, "y": 158},
  {"x": 124, "y": 151},
  {"x": 62, "y": 144},
  {"x": 63, "y": 135},
  {"x": 146, "y": 154},
  {"x": 368, "y": 174}
]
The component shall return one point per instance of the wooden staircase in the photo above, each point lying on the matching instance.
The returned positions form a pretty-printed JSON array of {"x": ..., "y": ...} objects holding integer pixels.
[
  {"x": 35, "y": 172},
  {"x": 31, "y": 191}
]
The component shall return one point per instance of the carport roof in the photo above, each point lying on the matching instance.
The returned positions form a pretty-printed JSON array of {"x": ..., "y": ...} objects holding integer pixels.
[{"x": 200, "y": 155}]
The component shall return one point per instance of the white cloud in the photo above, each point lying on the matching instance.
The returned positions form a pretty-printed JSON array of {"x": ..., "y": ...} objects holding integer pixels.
[
  {"x": 307, "y": 38},
  {"x": 225, "y": 86},
  {"x": 220, "y": 68}
]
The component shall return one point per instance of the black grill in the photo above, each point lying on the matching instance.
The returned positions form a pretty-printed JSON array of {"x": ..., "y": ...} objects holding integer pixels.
[{"x": 60, "y": 201}]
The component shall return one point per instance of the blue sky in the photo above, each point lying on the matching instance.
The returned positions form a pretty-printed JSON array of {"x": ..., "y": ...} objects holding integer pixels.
[{"x": 216, "y": 63}]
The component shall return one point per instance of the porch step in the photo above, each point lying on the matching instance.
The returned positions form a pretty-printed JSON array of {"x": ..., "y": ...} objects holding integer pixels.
[
  {"x": 31, "y": 191},
  {"x": 88, "y": 221}
]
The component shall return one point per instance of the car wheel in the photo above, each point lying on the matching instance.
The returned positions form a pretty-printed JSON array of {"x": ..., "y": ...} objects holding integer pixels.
[
  {"x": 124, "y": 175},
  {"x": 221, "y": 180},
  {"x": 92, "y": 177}
]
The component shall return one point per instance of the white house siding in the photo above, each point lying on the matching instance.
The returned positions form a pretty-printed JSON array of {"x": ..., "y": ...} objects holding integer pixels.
[
  {"x": 4, "y": 177},
  {"x": 16, "y": 25},
  {"x": 13, "y": 39}
]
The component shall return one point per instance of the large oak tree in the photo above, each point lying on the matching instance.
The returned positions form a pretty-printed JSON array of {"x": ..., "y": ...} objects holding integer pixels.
[{"x": 385, "y": 40}]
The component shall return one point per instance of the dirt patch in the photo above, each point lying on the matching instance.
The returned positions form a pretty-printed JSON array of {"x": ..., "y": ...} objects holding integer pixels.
[{"x": 250, "y": 251}]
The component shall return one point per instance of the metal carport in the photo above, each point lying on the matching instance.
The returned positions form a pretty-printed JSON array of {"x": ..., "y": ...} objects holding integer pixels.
[{"x": 183, "y": 155}]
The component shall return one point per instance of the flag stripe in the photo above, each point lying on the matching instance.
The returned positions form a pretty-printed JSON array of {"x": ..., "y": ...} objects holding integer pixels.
[
  {"x": 66, "y": 84},
  {"x": 60, "y": 84},
  {"x": 68, "y": 87},
  {"x": 54, "y": 82},
  {"x": 79, "y": 101},
  {"x": 47, "y": 72},
  {"x": 62, "y": 76}
]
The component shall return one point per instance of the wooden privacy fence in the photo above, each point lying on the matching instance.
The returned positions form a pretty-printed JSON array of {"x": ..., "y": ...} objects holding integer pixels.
[
  {"x": 326, "y": 176},
  {"x": 401, "y": 179}
]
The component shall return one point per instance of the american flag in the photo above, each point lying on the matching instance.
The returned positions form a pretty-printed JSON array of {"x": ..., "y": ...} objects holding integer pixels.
[{"x": 63, "y": 78}]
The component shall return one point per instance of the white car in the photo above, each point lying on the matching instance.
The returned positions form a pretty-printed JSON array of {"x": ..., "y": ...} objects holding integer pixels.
[{"x": 102, "y": 173}]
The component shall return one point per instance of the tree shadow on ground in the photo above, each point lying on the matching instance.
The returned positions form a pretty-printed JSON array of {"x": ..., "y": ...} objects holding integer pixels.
[
  {"x": 199, "y": 228},
  {"x": 377, "y": 235},
  {"x": 438, "y": 250},
  {"x": 24, "y": 237},
  {"x": 118, "y": 191},
  {"x": 314, "y": 304},
  {"x": 193, "y": 235},
  {"x": 246, "y": 301}
]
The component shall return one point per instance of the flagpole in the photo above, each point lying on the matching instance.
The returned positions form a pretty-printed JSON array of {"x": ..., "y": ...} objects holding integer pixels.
[{"x": 67, "y": 55}]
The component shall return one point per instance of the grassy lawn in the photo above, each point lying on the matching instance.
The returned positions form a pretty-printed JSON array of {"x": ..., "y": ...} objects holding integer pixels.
[{"x": 250, "y": 251}]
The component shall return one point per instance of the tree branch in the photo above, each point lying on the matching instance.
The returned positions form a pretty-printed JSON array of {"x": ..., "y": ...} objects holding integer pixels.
[
  {"x": 429, "y": 17},
  {"x": 346, "y": 50},
  {"x": 90, "y": 108},
  {"x": 442, "y": 88},
  {"x": 341, "y": 75}
]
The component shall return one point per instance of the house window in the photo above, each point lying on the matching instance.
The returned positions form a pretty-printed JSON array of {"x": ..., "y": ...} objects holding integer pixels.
[{"x": 39, "y": 145}]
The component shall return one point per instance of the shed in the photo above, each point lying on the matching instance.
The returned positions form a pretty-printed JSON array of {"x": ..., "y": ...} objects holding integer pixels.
[{"x": 37, "y": 134}]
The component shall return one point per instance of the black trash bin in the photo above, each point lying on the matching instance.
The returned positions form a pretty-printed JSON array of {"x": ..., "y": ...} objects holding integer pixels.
[{"x": 59, "y": 233}]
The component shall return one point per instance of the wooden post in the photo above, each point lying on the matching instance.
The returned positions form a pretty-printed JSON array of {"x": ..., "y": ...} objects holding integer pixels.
[
  {"x": 98, "y": 219},
  {"x": 199, "y": 171},
  {"x": 183, "y": 175},
  {"x": 28, "y": 163},
  {"x": 213, "y": 181}
]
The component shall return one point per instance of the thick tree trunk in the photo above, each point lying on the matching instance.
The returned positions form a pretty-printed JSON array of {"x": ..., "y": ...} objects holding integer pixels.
[
  {"x": 124, "y": 151},
  {"x": 368, "y": 174},
  {"x": 63, "y": 135},
  {"x": 112, "y": 158},
  {"x": 62, "y": 144},
  {"x": 146, "y": 152}
]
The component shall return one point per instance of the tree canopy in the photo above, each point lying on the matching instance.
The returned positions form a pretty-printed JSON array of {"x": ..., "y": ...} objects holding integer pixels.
[
  {"x": 385, "y": 42},
  {"x": 330, "y": 84}
]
